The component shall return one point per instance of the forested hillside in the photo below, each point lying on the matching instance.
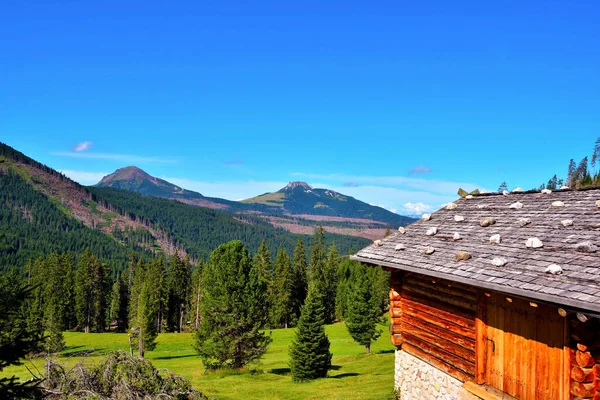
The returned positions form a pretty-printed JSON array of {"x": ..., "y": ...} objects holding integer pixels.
[
  {"x": 32, "y": 225},
  {"x": 199, "y": 230},
  {"x": 42, "y": 211}
]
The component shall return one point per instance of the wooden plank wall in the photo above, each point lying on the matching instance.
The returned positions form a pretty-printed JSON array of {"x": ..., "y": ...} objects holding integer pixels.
[
  {"x": 584, "y": 352},
  {"x": 435, "y": 320}
]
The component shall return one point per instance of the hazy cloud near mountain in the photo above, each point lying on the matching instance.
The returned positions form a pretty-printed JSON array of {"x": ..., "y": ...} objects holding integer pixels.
[{"x": 84, "y": 178}]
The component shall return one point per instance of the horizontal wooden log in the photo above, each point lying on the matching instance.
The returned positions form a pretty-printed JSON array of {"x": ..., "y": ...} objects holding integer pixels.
[
  {"x": 441, "y": 314},
  {"x": 596, "y": 383},
  {"x": 585, "y": 358},
  {"x": 583, "y": 390},
  {"x": 395, "y": 328},
  {"x": 415, "y": 323},
  {"x": 596, "y": 396},
  {"x": 583, "y": 375},
  {"x": 442, "y": 323},
  {"x": 395, "y": 312},
  {"x": 439, "y": 304},
  {"x": 396, "y": 304},
  {"x": 394, "y": 295},
  {"x": 441, "y": 288},
  {"x": 596, "y": 369},
  {"x": 396, "y": 321},
  {"x": 451, "y": 347},
  {"x": 591, "y": 345},
  {"x": 439, "y": 364},
  {"x": 444, "y": 298},
  {"x": 397, "y": 340},
  {"x": 461, "y": 364}
]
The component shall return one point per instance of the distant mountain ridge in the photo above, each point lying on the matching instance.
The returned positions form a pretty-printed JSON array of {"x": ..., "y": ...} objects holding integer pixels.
[
  {"x": 297, "y": 207},
  {"x": 42, "y": 210}
]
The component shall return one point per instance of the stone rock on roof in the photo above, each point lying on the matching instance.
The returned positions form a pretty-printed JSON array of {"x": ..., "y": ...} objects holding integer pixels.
[{"x": 524, "y": 275}]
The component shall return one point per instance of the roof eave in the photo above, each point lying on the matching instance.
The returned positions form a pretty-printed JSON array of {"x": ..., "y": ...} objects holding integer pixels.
[{"x": 486, "y": 285}]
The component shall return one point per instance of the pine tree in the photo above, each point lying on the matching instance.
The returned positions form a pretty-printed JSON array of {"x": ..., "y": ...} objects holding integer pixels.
[
  {"x": 323, "y": 273},
  {"x": 118, "y": 304},
  {"x": 195, "y": 295},
  {"x": 310, "y": 357},
  {"x": 92, "y": 285},
  {"x": 233, "y": 309},
  {"x": 16, "y": 337},
  {"x": 363, "y": 306},
  {"x": 343, "y": 275},
  {"x": 300, "y": 278},
  {"x": 281, "y": 295},
  {"x": 146, "y": 320},
  {"x": 137, "y": 274},
  {"x": 179, "y": 286},
  {"x": 570, "y": 172},
  {"x": 57, "y": 299},
  {"x": 503, "y": 186}
]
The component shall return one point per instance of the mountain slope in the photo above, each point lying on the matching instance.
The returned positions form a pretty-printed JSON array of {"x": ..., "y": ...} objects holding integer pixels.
[
  {"x": 134, "y": 179},
  {"x": 301, "y": 198},
  {"x": 297, "y": 208},
  {"x": 41, "y": 211}
]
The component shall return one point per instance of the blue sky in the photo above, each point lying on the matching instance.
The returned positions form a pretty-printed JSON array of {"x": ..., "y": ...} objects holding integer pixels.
[{"x": 395, "y": 103}]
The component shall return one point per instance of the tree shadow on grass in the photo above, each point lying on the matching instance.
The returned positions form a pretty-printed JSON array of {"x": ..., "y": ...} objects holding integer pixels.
[
  {"x": 386, "y": 351},
  {"x": 346, "y": 375},
  {"x": 174, "y": 357},
  {"x": 281, "y": 371}
]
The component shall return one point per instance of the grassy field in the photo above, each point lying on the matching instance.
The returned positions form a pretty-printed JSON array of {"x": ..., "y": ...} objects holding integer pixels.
[{"x": 355, "y": 375}]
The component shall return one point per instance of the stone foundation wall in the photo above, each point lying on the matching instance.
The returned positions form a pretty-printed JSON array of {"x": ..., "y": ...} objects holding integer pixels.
[{"x": 417, "y": 380}]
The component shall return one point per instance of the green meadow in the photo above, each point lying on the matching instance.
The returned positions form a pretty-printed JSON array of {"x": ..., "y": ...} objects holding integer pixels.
[{"x": 355, "y": 375}]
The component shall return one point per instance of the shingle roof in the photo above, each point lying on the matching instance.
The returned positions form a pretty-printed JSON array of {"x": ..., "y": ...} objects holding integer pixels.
[{"x": 523, "y": 275}]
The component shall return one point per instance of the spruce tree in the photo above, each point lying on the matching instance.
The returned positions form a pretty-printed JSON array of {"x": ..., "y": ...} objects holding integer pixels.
[
  {"x": 92, "y": 285},
  {"x": 179, "y": 286},
  {"x": 310, "y": 357},
  {"x": 119, "y": 303},
  {"x": 363, "y": 311},
  {"x": 16, "y": 337},
  {"x": 300, "y": 278},
  {"x": 195, "y": 295},
  {"x": 281, "y": 294},
  {"x": 233, "y": 309}
]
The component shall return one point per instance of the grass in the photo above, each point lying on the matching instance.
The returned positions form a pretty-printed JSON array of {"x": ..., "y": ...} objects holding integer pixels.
[{"x": 355, "y": 375}]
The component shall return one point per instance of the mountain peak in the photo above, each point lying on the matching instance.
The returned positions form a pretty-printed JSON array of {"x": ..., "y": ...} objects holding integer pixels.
[
  {"x": 295, "y": 184},
  {"x": 126, "y": 174}
]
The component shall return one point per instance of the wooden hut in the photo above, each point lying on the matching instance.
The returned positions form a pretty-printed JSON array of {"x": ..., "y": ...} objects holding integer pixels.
[{"x": 497, "y": 296}]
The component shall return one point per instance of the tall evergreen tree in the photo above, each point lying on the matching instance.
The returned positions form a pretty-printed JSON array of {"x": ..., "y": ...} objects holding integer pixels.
[
  {"x": 331, "y": 270},
  {"x": 570, "y": 173},
  {"x": 179, "y": 287},
  {"x": 137, "y": 275},
  {"x": 343, "y": 276},
  {"x": 503, "y": 186},
  {"x": 119, "y": 303},
  {"x": 282, "y": 313},
  {"x": 233, "y": 298},
  {"x": 310, "y": 357},
  {"x": 195, "y": 295},
  {"x": 92, "y": 285},
  {"x": 16, "y": 337},
  {"x": 300, "y": 278},
  {"x": 363, "y": 306}
]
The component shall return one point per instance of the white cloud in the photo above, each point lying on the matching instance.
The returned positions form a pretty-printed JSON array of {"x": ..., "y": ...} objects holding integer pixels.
[
  {"x": 416, "y": 208},
  {"x": 83, "y": 146},
  {"x": 428, "y": 185},
  {"x": 83, "y": 177},
  {"x": 124, "y": 158}
]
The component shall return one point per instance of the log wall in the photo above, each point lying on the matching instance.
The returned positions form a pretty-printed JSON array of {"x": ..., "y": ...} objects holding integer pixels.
[
  {"x": 584, "y": 355},
  {"x": 434, "y": 320}
]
